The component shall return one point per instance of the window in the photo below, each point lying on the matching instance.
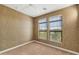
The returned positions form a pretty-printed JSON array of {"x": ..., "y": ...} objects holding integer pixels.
[
  {"x": 51, "y": 28},
  {"x": 55, "y": 23},
  {"x": 42, "y": 24}
]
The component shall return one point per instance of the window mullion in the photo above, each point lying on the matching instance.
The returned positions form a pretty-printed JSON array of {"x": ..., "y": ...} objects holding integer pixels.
[{"x": 48, "y": 29}]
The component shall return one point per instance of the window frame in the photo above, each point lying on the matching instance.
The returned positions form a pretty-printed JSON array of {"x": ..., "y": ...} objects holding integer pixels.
[
  {"x": 48, "y": 28},
  {"x": 42, "y": 30},
  {"x": 55, "y": 30}
]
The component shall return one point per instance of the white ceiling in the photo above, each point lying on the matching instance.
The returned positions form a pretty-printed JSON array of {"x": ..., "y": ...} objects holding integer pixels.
[{"x": 36, "y": 9}]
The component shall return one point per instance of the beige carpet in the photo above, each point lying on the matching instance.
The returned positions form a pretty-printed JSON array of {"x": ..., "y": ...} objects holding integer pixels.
[{"x": 35, "y": 49}]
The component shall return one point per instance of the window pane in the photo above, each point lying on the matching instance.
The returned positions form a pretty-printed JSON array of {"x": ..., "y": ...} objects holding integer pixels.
[
  {"x": 55, "y": 28},
  {"x": 43, "y": 26},
  {"x": 54, "y": 18},
  {"x": 55, "y": 25},
  {"x": 55, "y": 36},
  {"x": 43, "y": 35},
  {"x": 42, "y": 20}
]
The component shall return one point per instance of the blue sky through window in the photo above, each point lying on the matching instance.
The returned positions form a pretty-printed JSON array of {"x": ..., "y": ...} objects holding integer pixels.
[
  {"x": 42, "y": 20},
  {"x": 55, "y": 22},
  {"x": 55, "y": 25},
  {"x": 55, "y": 18},
  {"x": 43, "y": 26}
]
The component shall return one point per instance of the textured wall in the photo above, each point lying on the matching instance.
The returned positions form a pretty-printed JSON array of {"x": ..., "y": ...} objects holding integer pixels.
[
  {"x": 15, "y": 28},
  {"x": 69, "y": 30}
]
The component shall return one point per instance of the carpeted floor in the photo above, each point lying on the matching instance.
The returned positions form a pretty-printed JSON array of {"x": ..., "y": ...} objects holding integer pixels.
[{"x": 35, "y": 49}]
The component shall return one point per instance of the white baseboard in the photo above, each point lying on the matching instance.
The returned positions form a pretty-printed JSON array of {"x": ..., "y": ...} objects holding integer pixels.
[
  {"x": 16, "y": 46},
  {"x": 41, "y": 43},
  {"x": 73, "y": 52}
]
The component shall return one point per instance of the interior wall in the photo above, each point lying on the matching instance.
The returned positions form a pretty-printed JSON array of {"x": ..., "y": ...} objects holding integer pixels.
[
  {"x": 78, "y": 26},
  {"x": 15, "y": 28},
  {"x": 69, "y": 28}
]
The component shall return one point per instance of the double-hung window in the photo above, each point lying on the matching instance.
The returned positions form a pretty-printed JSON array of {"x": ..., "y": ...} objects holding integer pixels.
[
  {"x": 55, "y": 28},
  {"x": 50, "y": 30},
  {"x": 42, "y": 25}
]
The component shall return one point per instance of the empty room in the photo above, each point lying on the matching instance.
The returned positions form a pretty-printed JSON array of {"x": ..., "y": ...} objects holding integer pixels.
[{"x": 39, "y": 29}]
